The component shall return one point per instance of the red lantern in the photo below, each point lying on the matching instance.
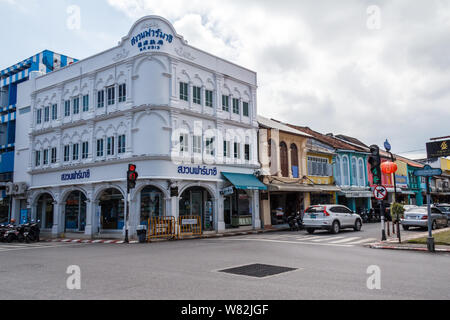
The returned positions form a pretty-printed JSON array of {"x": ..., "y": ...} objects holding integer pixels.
[{"x": 388, "y": 167}]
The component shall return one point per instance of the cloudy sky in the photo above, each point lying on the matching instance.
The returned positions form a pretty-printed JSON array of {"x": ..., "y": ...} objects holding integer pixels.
[{"x": 369, "y": 69}]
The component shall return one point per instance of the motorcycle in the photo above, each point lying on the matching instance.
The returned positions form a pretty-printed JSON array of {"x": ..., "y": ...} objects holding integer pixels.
[
  {"x": 14, "y": 234},
  {"x": 31, "y": 232},
  {"x": 295, "y": 222}
]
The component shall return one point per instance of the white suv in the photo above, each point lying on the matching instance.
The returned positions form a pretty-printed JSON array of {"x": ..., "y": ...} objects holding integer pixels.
[{"x": 332, "y": 217}]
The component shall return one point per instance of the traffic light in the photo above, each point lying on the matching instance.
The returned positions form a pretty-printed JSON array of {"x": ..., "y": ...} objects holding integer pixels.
[
  {"x": 375, "y": 164},
  {"x": 132, "y": 176}
]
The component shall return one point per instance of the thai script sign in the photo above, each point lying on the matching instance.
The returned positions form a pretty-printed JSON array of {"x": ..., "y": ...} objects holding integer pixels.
[
  {"x": 76, "y": 175},
  {"x": 427, "y": 171},
  {"x": 151, "y": 39},
  {"x": 438, "y": 149},
  {"x": 204, "y": 171}
]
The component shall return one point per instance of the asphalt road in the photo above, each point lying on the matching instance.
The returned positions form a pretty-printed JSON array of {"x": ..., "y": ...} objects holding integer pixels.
[{"x": 326, "y": 268}]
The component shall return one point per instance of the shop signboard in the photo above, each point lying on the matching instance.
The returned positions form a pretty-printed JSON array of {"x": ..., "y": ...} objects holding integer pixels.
[
  {"x": 427, "y": 171},
  {"x": 227, "y": 191},
  {"x": 438, "y": 149},
  {"x": 188, "y": 221}
]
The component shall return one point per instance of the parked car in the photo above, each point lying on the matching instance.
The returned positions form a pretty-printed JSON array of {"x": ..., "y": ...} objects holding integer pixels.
[
  {"x": 445, "y": 207},
  {"x": 330, "y": 217},
  {"x": 418, "y": 217}
]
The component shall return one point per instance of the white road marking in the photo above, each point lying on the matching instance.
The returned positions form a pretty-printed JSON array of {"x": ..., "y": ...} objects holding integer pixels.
[
  {"x": 327, "y": 238},
  {"x": 281, "y": 241},
  {"x": 346, "y": 240},
  {"x": 37, "y": 247},
  {"x": 308, "y": 238},
  {"x": 364, "y": 240}
]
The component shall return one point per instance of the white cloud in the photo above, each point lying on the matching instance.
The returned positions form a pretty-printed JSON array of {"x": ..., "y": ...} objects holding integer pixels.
[{"x": 318, "y": 64}]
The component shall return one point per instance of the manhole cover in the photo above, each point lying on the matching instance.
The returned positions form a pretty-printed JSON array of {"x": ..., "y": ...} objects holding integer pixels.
[{"x": 258, "y": 270}]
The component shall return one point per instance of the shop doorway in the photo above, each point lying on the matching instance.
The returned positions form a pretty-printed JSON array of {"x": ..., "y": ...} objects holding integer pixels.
[
  {"x": 152, "y": 204},
  {"x": 237, "y": 209},
  {"x": 75, "y": 212},
  {"x": 197, "y": 201},
  {"x": 44, "y": 211},
  {"x": 111, "y": 202}
]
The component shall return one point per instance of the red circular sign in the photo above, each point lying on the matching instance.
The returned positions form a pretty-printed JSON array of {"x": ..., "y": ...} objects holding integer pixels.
[{"x": 380, "y": 192}]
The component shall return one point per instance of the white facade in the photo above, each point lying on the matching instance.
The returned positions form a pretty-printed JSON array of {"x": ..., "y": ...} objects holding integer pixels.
[{"x": 140, "y": 120}]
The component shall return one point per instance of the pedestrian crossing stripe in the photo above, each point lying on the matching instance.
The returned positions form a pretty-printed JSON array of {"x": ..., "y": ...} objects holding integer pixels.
[
  {"x": 345, "y": 240},
  {"x": 327, "y": 238}
]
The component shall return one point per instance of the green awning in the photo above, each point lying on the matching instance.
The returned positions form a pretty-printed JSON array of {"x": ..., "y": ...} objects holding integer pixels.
[{"x": 244, "y": 181}]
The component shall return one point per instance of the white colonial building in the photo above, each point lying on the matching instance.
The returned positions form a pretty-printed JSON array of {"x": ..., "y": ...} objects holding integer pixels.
[{"x": 184, "y": 117}]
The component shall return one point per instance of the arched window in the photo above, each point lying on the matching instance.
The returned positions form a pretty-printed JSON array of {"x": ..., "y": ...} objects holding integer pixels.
[
  {"x": 294, "y": 161},
  {"x": 361, "y": 172},
  {"x": 354, "y": 172},
  {"x": 284, "y": 160},
  {"x": 345, "y": 171},
  {"x": 337, "y": 171}
]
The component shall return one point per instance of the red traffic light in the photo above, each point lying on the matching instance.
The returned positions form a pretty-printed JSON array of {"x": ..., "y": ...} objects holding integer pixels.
[
  {"x": 132, "y": 167},
  {"x": 132, "y": 176}
]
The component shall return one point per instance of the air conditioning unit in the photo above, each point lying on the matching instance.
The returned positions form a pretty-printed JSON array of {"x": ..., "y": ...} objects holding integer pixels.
[
  {"x": 22, "y": 188},
  {"x": 9, "y": 190}
]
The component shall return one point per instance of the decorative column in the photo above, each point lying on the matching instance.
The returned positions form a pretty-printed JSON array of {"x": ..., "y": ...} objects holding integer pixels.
[
  {"x": 91, "y": 149},
  {"x": 203, "y": 98},
  {"x": 89, "y": 230},
  {"x": 190, "y": 95},
  {"x": 218, "y": 92},
  {"x": 219, "y": 213},
  {"x": 173, "y": 82},
  {"x": 256, "y": 219},
  {"x": 129, "y": 136}
]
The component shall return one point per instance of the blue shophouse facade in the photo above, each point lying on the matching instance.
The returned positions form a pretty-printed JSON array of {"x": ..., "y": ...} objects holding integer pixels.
[
  {"x": 44, "y": 62},
  {"x": 350, "y": 174}
]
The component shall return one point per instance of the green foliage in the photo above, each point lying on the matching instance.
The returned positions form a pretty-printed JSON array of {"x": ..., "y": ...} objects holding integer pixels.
[{"x": 397, "y": 211}]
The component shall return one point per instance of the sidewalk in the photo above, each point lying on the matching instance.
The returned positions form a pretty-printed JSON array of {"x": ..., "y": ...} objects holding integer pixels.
[
  {"x": 205, "y": 235},
  {"x": 392, "y": 242}
]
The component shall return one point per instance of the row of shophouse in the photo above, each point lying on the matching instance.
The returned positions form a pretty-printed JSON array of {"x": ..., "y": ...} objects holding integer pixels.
[
  {"x": 189, "y": 121},
  {"x": 303, "y": 167}
]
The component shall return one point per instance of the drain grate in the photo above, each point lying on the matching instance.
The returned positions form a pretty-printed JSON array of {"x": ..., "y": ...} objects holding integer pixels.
[{"x": 258, "y": 270}]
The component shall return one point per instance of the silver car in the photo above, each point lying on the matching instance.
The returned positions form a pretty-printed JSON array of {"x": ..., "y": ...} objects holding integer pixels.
[
  {"x": 330, "y": 217},
  {"x": 418, "y": 217}
]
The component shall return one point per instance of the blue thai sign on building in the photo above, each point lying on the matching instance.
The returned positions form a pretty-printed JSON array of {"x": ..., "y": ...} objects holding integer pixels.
[
  {"x": 204, "y": 171},
  {"x": 151, "y": 39},
  {"x": 76, "y": 175}
]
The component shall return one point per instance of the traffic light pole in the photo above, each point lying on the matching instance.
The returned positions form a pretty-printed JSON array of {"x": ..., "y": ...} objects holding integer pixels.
[
  {"x": 383, "y": 231},
  {"x": 126, "y": 215}
]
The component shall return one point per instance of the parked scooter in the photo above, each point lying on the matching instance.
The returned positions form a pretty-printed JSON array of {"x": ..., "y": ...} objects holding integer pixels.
[
  {"x": 31, "y": 232},
  {"x": 14, "y": 234},
  {"x": 295, "y": 222}
]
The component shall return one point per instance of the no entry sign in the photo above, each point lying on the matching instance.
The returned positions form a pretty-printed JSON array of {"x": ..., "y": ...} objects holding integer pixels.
[{"x": 380, "y": 192}]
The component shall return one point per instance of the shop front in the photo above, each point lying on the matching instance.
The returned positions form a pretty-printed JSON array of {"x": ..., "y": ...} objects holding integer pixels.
[
  {"x": 356, "y": 200},
  {"x": 198, "y": 202},
  {"x": 241, "y": 200}
]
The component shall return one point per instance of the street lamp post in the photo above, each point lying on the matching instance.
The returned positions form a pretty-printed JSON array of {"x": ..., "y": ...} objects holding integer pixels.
[{"x": 387, "y": 147}]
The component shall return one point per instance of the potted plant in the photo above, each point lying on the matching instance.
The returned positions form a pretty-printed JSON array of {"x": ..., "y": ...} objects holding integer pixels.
[{"x": 397, "y": 211}]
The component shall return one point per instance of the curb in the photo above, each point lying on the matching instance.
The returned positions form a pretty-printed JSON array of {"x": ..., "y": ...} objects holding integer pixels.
[
  {"x": 407, "y": 248},
  {"x": 207, "y": 236}
]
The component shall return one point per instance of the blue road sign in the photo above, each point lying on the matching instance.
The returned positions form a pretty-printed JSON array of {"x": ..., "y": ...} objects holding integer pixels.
[
  {"x": 427, "y": 171},
  {"x": 387, "y": 146}
]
